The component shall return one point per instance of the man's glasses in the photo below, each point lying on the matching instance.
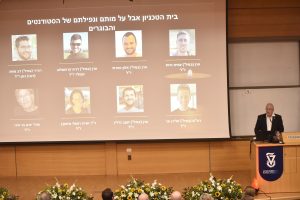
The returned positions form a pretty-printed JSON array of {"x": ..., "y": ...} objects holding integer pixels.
[{"x": 75, "y": 44}]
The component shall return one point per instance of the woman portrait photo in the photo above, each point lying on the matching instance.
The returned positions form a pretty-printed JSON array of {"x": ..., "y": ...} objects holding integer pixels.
[{"x": 77, "y": 101}]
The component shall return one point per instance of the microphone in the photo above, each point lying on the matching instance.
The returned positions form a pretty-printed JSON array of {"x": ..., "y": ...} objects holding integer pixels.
[{"x": 251, "y": 141}]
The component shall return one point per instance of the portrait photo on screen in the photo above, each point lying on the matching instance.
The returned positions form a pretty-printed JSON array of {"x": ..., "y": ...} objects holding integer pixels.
[
  {"x": 128, "y": 43},
  {"x": 183, "y": 98},
  {"x": 24, "y": 47},
  {"x": 76, "y": 45},
  {"x": 26, "y": 102},
  {"x": 77, "y": 100},
  {"x": 182, "y": 42},
  {"x": 130, "y": 99}
]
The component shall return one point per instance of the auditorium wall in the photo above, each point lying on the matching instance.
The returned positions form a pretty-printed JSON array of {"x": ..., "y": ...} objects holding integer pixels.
[
  {"x": 112, "y": 158},
  {"x": 256, "y": 20},
  {"x": 263, "y": 62}
]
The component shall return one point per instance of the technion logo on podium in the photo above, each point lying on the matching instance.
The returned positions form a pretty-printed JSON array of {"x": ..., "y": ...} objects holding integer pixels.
[{"x": 271, "y": 162}]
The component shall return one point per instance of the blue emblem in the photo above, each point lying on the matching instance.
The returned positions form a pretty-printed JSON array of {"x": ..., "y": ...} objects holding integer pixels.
[{"x": 270, "y": 162}]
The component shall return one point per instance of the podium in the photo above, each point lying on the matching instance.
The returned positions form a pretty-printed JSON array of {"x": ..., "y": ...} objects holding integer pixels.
[{"x": 289, "y": 180}]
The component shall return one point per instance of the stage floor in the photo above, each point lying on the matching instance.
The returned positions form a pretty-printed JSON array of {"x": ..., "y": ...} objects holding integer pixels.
[
  {"x": 28, "y": 187},
  {"x": 279, "y": 196}
]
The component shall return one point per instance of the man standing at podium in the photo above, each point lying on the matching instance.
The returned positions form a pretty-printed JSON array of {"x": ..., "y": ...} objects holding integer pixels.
[{"x": 269, "y": 126}]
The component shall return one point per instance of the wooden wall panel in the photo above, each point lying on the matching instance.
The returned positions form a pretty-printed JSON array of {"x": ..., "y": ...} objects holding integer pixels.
[
  {"x": 230, "y": 156},
  {"x": 7, "y": 161},
  {"x": 263, "y": 4},
  {"x": 111, "y": 158},
  {"x": 264, "y": 23},
  {"x": 173, "y": 157},
  {"x": 60, "y": 160},
  {"x": 290, "y": 159},
  {"x": 263, "y": 20},
  {"x": 298, "y": 158}
]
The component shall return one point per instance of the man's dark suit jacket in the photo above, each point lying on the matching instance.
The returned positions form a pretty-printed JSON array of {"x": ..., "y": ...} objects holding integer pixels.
[{"x": 261, "y": 126}]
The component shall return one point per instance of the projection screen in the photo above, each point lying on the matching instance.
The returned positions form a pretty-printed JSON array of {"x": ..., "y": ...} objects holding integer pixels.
[{"x": 135, "y": 72}]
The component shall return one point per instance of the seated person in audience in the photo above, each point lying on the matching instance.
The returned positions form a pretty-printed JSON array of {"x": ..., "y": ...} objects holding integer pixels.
[
  {"x": 249, "y": 193},
  {"x": 78, "y": 103},
  {"x": 44, "y": 196},
  {"x": 183, "y": 98},
  {"x": 12, "y": 197},
  {"x": 269, "y": 125},
  {"x": 107, "y": 194},
  {"x": 206, "y": 196},
  {"x": 143, "y": 196},
  {"x": 176, "y": 196},
  {"x": 76, "y": 50},
  {"x": 26, "y": 101}
]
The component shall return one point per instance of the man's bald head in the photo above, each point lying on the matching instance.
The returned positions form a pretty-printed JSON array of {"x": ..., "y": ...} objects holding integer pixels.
[
  {"x": 44, "y": 196},
  {"x": 143, "y": 196},
  {"x": 206, "y": 196},
  {"x": 176, "y": 196}
]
